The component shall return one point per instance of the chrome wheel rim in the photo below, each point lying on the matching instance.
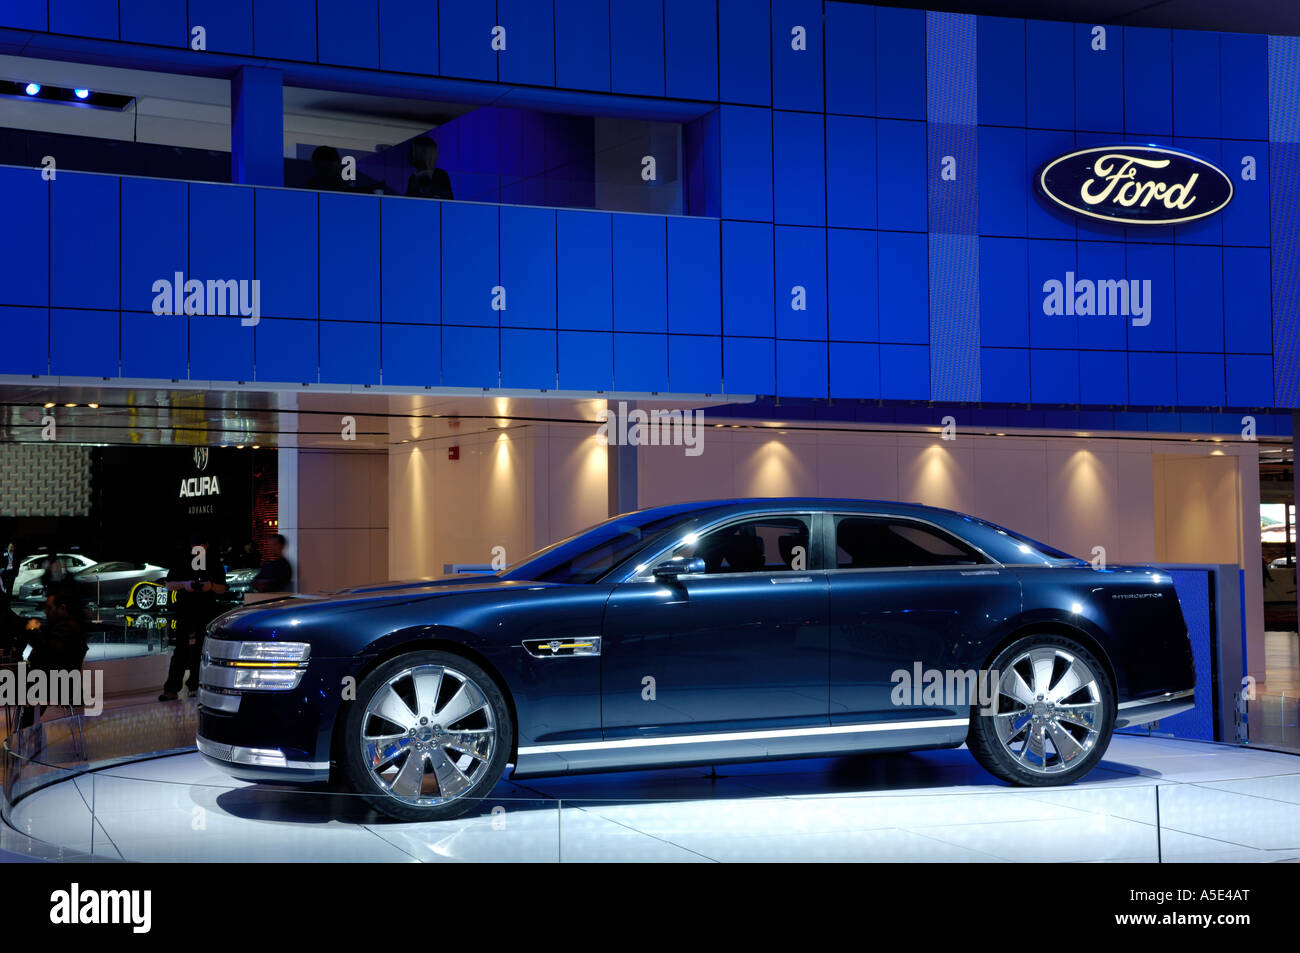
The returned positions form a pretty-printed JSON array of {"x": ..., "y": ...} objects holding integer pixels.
[
  {"x": 1049, "y": 710},
  {"x": 144, "y": 597},
  {"x": 427, "y": 735}
]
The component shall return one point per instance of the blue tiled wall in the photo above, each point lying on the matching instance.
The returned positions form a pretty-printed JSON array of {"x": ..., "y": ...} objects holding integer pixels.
[{"x": 832, "y": 263}]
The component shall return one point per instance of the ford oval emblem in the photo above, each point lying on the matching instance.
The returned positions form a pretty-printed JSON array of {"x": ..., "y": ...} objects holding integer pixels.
[{"x": 1135, "y": 185}]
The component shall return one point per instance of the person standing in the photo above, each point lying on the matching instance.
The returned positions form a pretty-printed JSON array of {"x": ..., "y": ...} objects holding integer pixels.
[
  {"x": 276, "y": 574},
  {"x": 197, "y": 583},
  {"x": 59, "y": 646},
  {"x": 8, "y": 569}
]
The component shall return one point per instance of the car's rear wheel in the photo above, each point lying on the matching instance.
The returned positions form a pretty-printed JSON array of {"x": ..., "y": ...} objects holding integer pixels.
[
  {"x": 144, "y": 596},
  {"x": 428, "y": 736},
  {"x": 1053, "y": 716}
]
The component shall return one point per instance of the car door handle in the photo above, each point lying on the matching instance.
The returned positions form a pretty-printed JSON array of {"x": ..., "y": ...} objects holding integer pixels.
[{"x": 780, "y": 579}]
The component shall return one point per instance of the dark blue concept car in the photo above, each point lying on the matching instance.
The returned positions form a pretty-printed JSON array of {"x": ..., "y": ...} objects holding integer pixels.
[{"x": 701, "y": 633}]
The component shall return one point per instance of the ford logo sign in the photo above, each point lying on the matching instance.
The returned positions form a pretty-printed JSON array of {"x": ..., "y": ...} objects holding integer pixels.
[{"x": 1135, "y": 185}]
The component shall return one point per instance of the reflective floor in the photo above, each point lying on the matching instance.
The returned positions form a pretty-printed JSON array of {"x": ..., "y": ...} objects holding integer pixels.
[{"x": 1151, "y": 799}]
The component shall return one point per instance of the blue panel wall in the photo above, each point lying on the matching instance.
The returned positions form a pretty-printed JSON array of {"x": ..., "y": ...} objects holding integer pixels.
[
  {"x": 636, "y": 48},
  {"x": 582, "y": 44},
  {"x": 691, "y": 49},
  {"x": 529, "y": 56},
  {"x": 160, "y": 22},
  {"x": 826, "y": 255}
]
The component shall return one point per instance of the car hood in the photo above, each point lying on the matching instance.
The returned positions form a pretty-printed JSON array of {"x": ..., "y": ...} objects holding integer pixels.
[
  {"x": 295, "y": 617},
  {"x": 403, "y": 584}
]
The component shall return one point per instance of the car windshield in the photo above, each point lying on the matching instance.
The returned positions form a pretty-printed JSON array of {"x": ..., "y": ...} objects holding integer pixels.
[{"x": 589, "y": 555}]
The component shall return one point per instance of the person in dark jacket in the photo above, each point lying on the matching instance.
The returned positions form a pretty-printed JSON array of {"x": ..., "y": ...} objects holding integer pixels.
[
  {"x": 13, "y": 630},
  {"x": 60, "y": 644},
  {"x": 427, "y": 181},
  {"x": 9, "y": 569},
  {"x": 197, "y": 582},
  {"x": 276, "y": 574}
]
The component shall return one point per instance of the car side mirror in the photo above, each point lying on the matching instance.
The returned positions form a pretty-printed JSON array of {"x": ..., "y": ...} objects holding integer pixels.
[{"x": 679, "y": 566}]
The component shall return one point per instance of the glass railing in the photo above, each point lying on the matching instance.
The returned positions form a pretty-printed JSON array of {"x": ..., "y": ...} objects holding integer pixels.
[{"x": 1274, "y": 720}]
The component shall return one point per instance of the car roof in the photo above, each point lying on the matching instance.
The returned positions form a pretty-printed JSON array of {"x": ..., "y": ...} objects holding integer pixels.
[{"x": 740, "y": 504}]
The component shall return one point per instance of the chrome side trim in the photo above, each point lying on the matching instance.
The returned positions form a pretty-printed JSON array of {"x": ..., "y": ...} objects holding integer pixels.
[
  {"x": 738, "y": 746},
  {"x": 1158, "y": 699},
  {"x": 1141, "y": 711},
  {"x": 764, "y": 735}
]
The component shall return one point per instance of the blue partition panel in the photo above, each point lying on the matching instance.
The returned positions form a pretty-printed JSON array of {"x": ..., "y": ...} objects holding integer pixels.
[{"x": 838, "y": 171}]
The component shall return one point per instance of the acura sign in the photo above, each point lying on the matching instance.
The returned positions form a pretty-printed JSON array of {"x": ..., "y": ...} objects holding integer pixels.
[{"x": 1135, "y": 185}]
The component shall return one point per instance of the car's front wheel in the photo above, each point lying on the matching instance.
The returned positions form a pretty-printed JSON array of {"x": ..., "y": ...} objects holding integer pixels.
[
  {"x": 1052, "y": 717},
  {"x": 428, "y": 736}
]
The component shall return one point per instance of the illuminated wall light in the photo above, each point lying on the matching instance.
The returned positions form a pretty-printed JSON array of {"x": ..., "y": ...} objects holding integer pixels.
[
  {"x": 81, "y": 93},
  {"x": 49, "y": 404},
  {"x": 32, "y": 89}
]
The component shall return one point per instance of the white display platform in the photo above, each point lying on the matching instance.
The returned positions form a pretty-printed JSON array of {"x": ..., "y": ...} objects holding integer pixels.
[{"x": 1150, "y": 799}]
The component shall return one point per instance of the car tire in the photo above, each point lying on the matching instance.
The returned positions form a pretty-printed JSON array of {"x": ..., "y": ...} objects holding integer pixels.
[
  {"x": 1055, "y": 713},
  {"x": 143, "y": 596},
  {"x": 427, "y": 738}
]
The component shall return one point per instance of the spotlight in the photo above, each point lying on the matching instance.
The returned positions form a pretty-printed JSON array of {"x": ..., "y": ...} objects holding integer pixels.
[
  {"x": 81, "y": 93},
  {"x": 32, "y": 89}
]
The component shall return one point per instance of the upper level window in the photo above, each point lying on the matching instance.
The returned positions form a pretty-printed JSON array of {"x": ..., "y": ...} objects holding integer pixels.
[
  {"x": 761, "y": 544},
  {"x": 873, "y": 542},
  {"x": 165, "y": 125}
]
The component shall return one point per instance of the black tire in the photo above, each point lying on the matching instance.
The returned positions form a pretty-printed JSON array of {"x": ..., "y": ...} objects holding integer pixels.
[
  {"x": 482, "y": 776},
  {"x": 993, "y": 753}
]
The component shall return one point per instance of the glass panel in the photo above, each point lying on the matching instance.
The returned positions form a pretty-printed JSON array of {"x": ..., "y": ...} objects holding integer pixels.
[
  {"x": 767, "y": 544},
  {"x": 864, "y": 542}
]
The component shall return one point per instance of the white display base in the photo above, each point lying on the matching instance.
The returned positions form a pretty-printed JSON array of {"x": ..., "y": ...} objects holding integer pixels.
[{"x": 1215, "y": 803}]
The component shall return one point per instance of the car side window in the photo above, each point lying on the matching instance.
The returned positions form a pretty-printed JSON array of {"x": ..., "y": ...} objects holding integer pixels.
[
  {"x": 762, "y": 544},
  {"x": 874, "y": 542}
]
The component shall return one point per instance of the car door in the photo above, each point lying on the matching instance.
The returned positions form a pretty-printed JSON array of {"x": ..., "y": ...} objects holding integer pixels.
[
  {"x": 741, "y": 645},
  {"x": 109, "y": 582},
  {"x": 908, "y": 600}
]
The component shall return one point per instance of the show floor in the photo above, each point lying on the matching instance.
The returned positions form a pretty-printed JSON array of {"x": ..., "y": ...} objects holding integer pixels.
[{"x": 1150, "y": 799}]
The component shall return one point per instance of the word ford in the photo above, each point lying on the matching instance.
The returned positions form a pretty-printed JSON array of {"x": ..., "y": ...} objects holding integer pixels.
[{"x": 1116, "y": 168}]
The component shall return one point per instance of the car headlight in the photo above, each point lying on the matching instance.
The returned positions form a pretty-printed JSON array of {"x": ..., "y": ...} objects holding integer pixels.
[
  {"x": 253, "y": 666},
  {"x": 273, "y": 651}
]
